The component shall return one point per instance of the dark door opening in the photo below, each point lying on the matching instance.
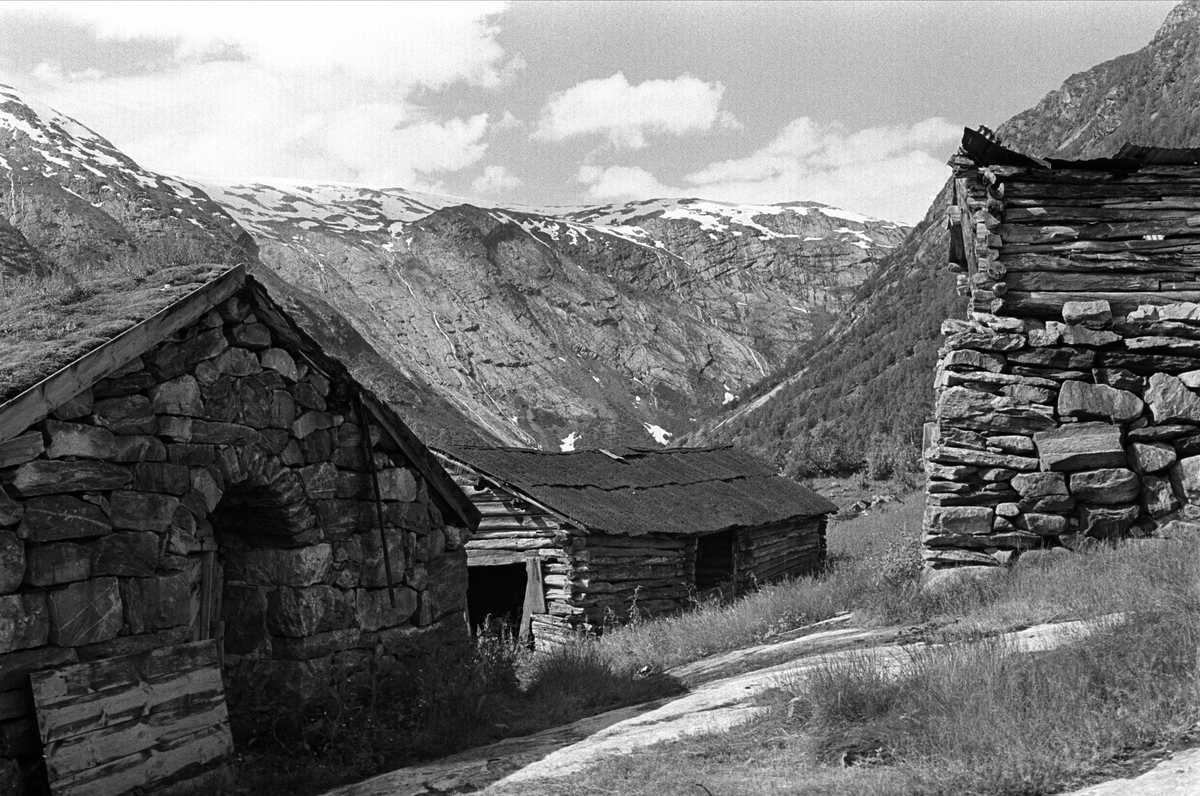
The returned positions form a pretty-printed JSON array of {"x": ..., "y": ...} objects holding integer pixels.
[
  {"x": 496, "y": 594},
  {"x": 714, "y": 560}
]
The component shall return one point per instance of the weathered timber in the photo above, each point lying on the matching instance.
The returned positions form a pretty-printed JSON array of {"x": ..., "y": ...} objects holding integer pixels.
[
  {"x": 1043, "y": 214},
  {"x": 1181, "y": 245},
  {"x": 1042, "y": 232},
  {"x": 1089, "y": 262},
  {"x": 133, "y": 722},
  {"x": 1092, "y": 282},
  {"x": 24, "y": 410}
]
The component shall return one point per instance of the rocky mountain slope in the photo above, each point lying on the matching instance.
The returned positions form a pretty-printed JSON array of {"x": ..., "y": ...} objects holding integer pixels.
[
  {"x": 862, "y": 391},
  {"x": 610, "y": 325},
  {"x": 73, "y": 208},
  {"x": 558, "y": 327}
]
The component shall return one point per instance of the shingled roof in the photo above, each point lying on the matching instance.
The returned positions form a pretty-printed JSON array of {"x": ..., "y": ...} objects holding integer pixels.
[{"x": 681, "y": 491}]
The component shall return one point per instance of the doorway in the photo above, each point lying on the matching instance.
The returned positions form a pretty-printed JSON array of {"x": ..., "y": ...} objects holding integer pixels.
[
  {"x": 496, "y": 595},
  {"x": 715, "y": 560}
]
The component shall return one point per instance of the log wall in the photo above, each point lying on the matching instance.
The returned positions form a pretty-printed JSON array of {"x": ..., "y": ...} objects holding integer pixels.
[{"x": 1067, "y": 407}]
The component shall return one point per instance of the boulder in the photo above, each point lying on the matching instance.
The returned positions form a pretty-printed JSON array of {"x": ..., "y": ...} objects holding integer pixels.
[
  {"x": 171, "y": 479},
  {"x": 24, "y": 621},
  {"x": 1191, "y": 379},
  {"x": 301, "y": 566},
  {"x": 12, "y": 562},
  {"x": 283, "y": 410},
  {"x": 139, "y": 448},
  {"x": 400, "y": 553},
  {"x": 944, "y": 454},
  {"x": 280, "y": 361},
  {"x": 320, "y": 480},
  {"x": 254, "y": 336},
  {"x": 1113, "y": 485},
  {"x": 237, "y": 362},
  {"x": 446, "y": 591},
  {"x": 157, "y": 603},
  {"x": 1092, "y": 314},
  {"x": 1171, "y": 401},
  {"x": 127, "y": 553},
  {"x": 373, "y": 608},
  {"x": 1150, "y": 457},
  {"x": 1080, "y": 446},
  {"x": 78, "y": 406},
  {"x": 255, "y": 401},
  {"x": 958, "y": 519},
  {"x": 959, "y": 406},
  {"x": 311, "y": 421},
  {"x": 984, "y": 339},
  {"x": 56, "y": 563},
  {"x": 1013, "y": 443},
  {"x": 76, "y": 439},
  {"x": 126, "y": 414},
  {"x": 967, "y": 358},
  {"x": 321, "y": 645},
  {"x": 85, "y": 612},
  {"x": 1057, "y": 358},
  {"x": 1040, "y": 484},
  {"x": 430, "y": 545},
  {"x": 21, "y": 449},
  {"x": 1154, "y": 433},
  {"x": 1179, "y": 529},
  {"x": 1043, "y": 524},
  {"x": 205, "y": 345},
  {"x": 179, "y": 396},
  {"x": 1098, "y": 402},
  {"x": 1081, "y": 335},
  {"x": 50, "y": 519},
  {"x": 305, "y": 611},
  {"x": 44, "y": 477},
  {"x": 1119, "y": 378},
  {"x": 142, "y": 511},
  {"x": 1158, "y": 496},
  {"x": 1049, "y": 335},
  {"x": 1107, "y": 523},
  {"x": 10, "y": 510}
]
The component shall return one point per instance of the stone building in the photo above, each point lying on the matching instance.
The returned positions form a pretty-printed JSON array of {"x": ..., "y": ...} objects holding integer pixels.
[
  {"x": 570, "y": 541},
  {"x": 210, "y": 474},
  {"x": 1067, "y": 406}
]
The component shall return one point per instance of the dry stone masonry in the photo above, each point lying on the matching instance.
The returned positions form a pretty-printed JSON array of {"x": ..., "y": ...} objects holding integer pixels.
[
  {"x": 1068, "y": 402},
  {"x": 218, "y": 486}
]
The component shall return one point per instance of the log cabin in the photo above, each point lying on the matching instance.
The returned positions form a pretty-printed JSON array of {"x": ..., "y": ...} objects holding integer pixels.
[
  {"x": 202, "y": 500},
  {"x": 569, "y": 542},
  {"x": 1067, "y": 405}
]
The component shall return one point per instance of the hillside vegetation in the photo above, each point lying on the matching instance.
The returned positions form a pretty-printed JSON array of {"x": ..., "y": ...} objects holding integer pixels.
[{"x": 857, "y": 398}]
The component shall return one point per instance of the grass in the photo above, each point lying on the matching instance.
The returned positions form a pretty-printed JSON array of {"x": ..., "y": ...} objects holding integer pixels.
[
  {"x": 49, "y": 321},
  {"x": 972, "y": 717},
  {"x": 379, "y": 719}
]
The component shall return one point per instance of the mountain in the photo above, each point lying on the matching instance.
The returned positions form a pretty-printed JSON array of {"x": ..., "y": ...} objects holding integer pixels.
[
  {"x": 862, "y": 391},
  {"x": 594, "y": 326}
]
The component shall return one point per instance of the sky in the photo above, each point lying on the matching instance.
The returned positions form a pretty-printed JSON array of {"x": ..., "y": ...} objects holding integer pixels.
[{"x": 854, "y": 104}]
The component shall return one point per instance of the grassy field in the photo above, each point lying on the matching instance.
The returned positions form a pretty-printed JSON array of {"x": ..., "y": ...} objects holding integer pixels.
[
  {"x": 974, "y": 717},
  {"x": 966, "y": 718}
]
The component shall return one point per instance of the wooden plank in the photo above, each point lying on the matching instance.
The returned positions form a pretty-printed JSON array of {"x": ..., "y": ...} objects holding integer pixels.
[
  {"x": 1115, "y": 230},
  {"x": 84, "y": 679},
  {"x": 132, "y": 722},
  {"x": 510, "y": 544},
  {"x": 1126, "y": 283},
  {"x": 1102, "y": 262},
  {"x": 535, "y": 598},
  {"x": 1014, "y": 189},
  {"x": 56, "y": 389},
  {"x": 1044, "y": 214},
  {"x": 144, "y": 769},
  {"x": 1181, "y": 245},
  {"x": 493, "y": 558},
  {"x": 138, "y": 698},
  {"x": 84, "y": 752}
]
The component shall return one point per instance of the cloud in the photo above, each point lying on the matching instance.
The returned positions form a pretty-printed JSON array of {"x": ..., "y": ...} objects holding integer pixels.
[
  {"x": 310, "y": 91},
  {"x": 495, "y": 179},
  {"x": 886, "y": 172},
  {"x": 626, "y": 114},
  {"x": 429, "y": 44}
]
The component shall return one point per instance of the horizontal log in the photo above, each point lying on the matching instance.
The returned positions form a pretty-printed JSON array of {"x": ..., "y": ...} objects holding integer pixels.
[
  {"x": 1146, "y": 364},
  {"x": 1020, "y": 189},
  {"x": 493, "y": 558},
  {"x": 614, "y": 540},
  {"x": 1060, "y": 214},
  {"x": 511, "y": 523},
  {"x": 1180, "y": 245},
  {"x": 1101, "y": 262},
  {"x": 486, "y": 543},
  {"x": 1102, "y": 231},
  {"x": 1049, "y": 303},
  {"x": 1146, "y": 282}
]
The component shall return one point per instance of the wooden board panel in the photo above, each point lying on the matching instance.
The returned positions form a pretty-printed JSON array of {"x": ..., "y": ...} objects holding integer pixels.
[{"x": 141, "y": 721}]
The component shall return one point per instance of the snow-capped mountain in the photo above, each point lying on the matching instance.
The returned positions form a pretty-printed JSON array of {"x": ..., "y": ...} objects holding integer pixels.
[{"x": 588, "y": 326}]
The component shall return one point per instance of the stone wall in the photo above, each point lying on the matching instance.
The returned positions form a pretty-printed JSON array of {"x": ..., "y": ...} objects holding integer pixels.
[
  {"x": 1067, "y": 407},
  {"x": 217, "y": 486}
]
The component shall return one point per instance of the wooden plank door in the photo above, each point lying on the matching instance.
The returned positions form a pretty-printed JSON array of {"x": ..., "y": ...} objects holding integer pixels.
[{"x": 535, "y": 596}]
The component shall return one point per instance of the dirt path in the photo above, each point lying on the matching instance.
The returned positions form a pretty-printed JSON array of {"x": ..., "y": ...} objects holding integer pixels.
[{"x": 723, "y": 691}]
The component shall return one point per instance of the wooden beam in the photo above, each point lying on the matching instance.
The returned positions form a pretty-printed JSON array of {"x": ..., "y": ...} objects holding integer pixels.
[
  {"x": 56, "y": 389},
  {"x": 1049, "y": 303}
]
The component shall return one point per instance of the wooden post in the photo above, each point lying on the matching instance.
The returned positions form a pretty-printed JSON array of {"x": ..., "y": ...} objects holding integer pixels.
[{"x": 535, "y": 596}]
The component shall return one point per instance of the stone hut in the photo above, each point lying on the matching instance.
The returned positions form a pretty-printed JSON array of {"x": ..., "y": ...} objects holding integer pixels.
[
  {"x": 210, "y": 474},
  {"x": 570, "y": 541},
  {"x": 1067, "y": 406}
]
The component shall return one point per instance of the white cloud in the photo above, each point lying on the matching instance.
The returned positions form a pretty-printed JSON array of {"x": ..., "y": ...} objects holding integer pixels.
[
  {"x": 414, "y": 43},
  {"x": 623, "y": 182},
  {"x": 626, "y": 114},
  {"x": 312, "y": 90},
  {"x": 886, "y": 172},
  {"x": 495, "y": 179}
]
